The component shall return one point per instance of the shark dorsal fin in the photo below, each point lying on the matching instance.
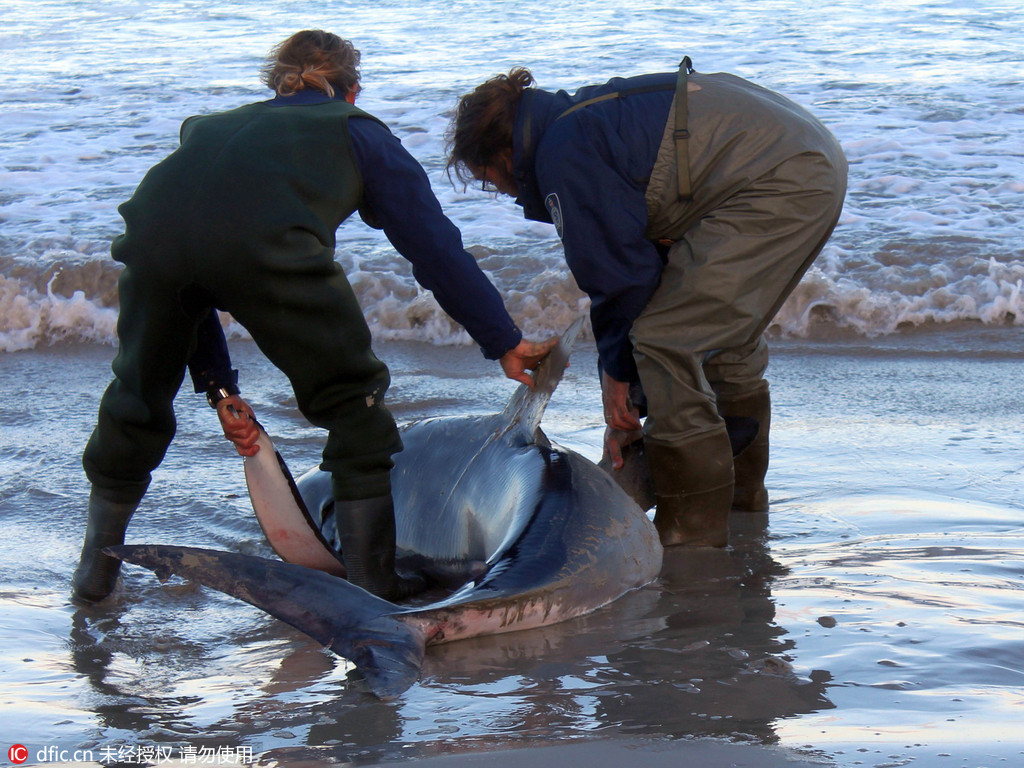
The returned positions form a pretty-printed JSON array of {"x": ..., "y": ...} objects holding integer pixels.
[{"x": 526, "y": 407}]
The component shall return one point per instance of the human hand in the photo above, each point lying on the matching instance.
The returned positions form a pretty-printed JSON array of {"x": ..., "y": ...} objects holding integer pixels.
[
  {"x": 239, "y": 424},
  {"x": 619, "y": 411},
  {"x": 525, "y": 357},
  {"x": 615, "y": 440}
]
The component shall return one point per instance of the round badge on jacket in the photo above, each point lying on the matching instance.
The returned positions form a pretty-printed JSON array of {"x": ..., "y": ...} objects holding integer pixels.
[{"x": 554, "y": 211}]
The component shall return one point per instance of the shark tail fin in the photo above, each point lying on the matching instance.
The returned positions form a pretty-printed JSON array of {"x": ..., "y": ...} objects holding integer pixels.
[
  {"x": 364, "y": 629},
  {"x": 526, "y": 408}
]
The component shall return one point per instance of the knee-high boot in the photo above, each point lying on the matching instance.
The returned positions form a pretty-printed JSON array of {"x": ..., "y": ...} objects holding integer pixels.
[
  {"x": 366, "y": 534},
  {"x": 96, "y": 575},
  {"x": 693, "y": 484},
  {"x": 751, "y": 464}
]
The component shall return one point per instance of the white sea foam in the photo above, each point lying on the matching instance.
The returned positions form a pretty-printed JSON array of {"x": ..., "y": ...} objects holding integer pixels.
[{"x": 931, "y": 230}]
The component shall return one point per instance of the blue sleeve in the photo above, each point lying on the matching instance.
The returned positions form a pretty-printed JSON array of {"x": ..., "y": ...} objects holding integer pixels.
[
  {"x": 581, "y": 169},
  {"x": 397, "y": 191},
  {"x": 210, "y": 364}
]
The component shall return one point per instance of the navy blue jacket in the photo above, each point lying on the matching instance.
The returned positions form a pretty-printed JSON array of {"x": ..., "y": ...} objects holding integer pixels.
[
  {"x": 587, "y": 174},
  {"x": 398, "y": 199}
]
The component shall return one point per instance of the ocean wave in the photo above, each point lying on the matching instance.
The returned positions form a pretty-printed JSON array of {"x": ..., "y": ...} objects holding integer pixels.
[
  {"x": 61, "y": 302},
  {"x": 995, "y": 297},
  {"x": 71, "y": 301}
]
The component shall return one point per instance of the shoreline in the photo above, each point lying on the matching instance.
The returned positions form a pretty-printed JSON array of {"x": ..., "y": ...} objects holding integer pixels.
[{"x": 961, "y": 337}]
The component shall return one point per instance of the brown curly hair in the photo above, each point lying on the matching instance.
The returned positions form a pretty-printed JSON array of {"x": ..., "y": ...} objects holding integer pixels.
[
  {"x": 481, "y": 129},
  {"x": 312, "y": 59}
]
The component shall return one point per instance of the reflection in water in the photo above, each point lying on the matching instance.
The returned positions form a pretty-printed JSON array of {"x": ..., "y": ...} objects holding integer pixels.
[
  {"x": 695, "y": 654},
  {"x": 720, "y": 666},
  {"x": 128, "y": 708}
]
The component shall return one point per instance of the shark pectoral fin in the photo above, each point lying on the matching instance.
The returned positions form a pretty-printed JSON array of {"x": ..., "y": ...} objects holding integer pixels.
[
  {"x": 634, "y": 477},
  {"x": 526, "y": 407},
  {"x": 282, "y": 514},
  {"x": 362, "y": 628}
]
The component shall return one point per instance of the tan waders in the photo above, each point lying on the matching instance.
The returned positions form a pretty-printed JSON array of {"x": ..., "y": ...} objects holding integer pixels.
[
  {"x": 767, "y": 186},
  {"x": 751, "y": 412}
]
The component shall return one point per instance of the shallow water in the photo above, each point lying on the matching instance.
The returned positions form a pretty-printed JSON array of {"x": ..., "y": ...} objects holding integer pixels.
[{"x": 872, "y": 618}]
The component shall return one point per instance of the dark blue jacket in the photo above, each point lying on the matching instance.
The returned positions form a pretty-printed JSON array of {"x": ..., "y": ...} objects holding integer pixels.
[
  {"x": 398, "y": 199},
  {"x": 587, "y": 174}
]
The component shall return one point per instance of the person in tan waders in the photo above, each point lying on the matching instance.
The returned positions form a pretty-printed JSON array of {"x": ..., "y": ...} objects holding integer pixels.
[{"x": 689, "y": 206}]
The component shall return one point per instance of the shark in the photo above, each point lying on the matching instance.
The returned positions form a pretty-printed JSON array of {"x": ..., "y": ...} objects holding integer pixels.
[{"x": 514, "y": 531}]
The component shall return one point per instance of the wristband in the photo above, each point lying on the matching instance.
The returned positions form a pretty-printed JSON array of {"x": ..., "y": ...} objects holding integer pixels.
[{"x": 214, "y": 396}]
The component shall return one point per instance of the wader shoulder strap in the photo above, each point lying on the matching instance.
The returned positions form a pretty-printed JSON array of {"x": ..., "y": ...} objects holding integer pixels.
[
  {"x": 614, "y": 95},
  {"x": 680, "y": 133}
]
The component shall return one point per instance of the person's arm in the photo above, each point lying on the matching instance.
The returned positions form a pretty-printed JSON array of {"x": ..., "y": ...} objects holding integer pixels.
[
  {"x": 398, "y": 192},
  {"x": 212, "y": 374},
  {"x": 210, "y": 365},
  {"x": 524, "y": 357}
]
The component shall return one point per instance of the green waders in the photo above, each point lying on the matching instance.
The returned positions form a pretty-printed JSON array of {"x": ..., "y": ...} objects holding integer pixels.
[{"x": 242, "y": 217}]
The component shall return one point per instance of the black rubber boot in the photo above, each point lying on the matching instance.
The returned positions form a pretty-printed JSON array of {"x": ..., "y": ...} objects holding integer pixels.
[
  {"x": 366, "y": 534},
  {"x": 750, "y": 464},
  {"x": 96, "y": 575},
  {"x": 693, "y": 484}
]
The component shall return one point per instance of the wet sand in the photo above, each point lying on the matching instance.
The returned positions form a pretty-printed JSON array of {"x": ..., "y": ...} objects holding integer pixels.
[{"x": 871, "y": 619}]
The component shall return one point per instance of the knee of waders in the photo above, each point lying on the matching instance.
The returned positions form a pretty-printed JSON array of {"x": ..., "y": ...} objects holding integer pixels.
[{"x": 754, "y": 404}]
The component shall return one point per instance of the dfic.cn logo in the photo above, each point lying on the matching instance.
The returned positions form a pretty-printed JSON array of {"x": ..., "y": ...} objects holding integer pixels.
[{"x": 17, "y": 754}]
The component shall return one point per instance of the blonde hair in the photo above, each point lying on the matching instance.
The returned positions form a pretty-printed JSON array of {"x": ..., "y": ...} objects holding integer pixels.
[{"x": 312, "y": 59}]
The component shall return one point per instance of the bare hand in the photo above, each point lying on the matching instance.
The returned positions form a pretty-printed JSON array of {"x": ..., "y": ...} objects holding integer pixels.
[
  {"x": 524, "y": 357},
  {"x": 239, "y": 424},
  {"x": 615, "y": 440},
  {"x": 619, "y": 411}
]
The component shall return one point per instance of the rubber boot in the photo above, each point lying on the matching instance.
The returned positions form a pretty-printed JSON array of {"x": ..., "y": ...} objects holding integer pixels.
[
  {"x": 96, "y": 575},
  {"x": 750, "y": 464},
  {"x": 693, "y": 484},
  {"x": 366, "y": 533}
]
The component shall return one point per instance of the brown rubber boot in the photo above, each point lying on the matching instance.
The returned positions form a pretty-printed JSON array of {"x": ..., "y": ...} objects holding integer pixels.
[
  {"x": 750, "y": 464},
  {"x": 366, "y": 533},
  {"x": 96, "y": 575},
  {"x": 693, "y": 482}
]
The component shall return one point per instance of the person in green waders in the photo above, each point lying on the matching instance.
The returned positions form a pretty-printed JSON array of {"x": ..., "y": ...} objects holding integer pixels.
[
  {"x": 242, "y": 218},
  {"x": 689, "y": 206}
]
